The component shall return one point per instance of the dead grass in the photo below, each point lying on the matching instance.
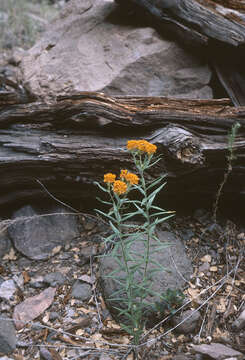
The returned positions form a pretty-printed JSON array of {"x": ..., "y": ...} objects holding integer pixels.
[{"x": 22, "y": 21}]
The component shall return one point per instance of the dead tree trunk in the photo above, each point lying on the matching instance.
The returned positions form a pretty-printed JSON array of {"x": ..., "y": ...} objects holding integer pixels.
[
  {"x": 73, "y": 141},
  {"x": 201, "y": 21},
  {"x": 216, "y": 27}
]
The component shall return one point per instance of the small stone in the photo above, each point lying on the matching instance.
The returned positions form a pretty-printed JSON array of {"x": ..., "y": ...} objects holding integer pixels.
[
  {"x": 217, "y": 351},
  {"x": 54, "y": 315},
  {"x": 241, "y": 236},
  {"x": 239, "y": 323},
  {"x": 7, "y": 289},
  {"x": 187, "y": 234},
  {"x": 182, "y": 357},
  {"x": 202, "y": 216},
  {"x": 190, "y": 324},
  {"x": 81, "y": 291},
  {"x": 8, "y": 338},
  {"x": 204, "y": 267},
  {"x": 36, "y": 326},
  {"x": 32, "y": 307},
  {"x": 55, "y": 279},
  {"x": 19, "y": 281},
  {"x": 37, "y": 285},
  {"x": 105, "y": 357},
  {"x": 5, "y": 242},
  {"x": 45, "y": 354}
]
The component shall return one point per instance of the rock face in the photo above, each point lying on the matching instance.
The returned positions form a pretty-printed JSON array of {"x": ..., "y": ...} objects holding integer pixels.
[
  {"x": 37, "y": 237},
  {"x": 89, "y": 48},
  {"x": 172, "y": 258}
]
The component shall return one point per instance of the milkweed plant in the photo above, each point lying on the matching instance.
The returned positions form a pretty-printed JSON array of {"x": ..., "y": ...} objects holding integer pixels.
[{"x": 132, "y": 298}]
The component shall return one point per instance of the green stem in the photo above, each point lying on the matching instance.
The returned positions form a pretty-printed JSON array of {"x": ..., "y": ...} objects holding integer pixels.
[{"x": 129, "y": 290}]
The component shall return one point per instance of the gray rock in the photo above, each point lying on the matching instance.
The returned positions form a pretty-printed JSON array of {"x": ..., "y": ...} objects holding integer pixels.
[
  {"x": 239, "y": 323},
  {"x": 81, "y": 291},
  {"x": 183, "y": 357},
  {"x": 45, "y": 354},
  {"x": 190, "y": 324},
  {"x": 54, "y": 279},
  {"x": 5, "y": 243},
  {"x": 54, "y": 315},
  {"x": 217, "y": 351},
  {"x": 87, "y": 48},
  {"x": 170, "y": 258},
  {"x": 7, "y": 289},
  {"x": 39, "y": 235},
  {"x": 37, "y": 326},
  {"x": 8, "y": 338}
]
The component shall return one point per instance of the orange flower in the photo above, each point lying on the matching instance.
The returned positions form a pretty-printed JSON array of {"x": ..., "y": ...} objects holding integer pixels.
[
  {"x": 123, "y": 174},
  {"x": 109, "y": 178},
  {"x": 150, "y": 148},
  {"x": 132, "y": 178},
  {"x": 132, "y": 144},
  {"x": 119, "y": 187},
  {"x": 141, "y": 145}
]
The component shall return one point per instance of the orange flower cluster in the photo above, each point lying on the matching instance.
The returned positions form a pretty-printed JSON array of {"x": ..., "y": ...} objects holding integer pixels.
[
  {"x": 109, "y": 178},
  {"x": 130, "y": 177},
  {"x": 120, "y": 187},
  {"x": 142, "y": 145}
]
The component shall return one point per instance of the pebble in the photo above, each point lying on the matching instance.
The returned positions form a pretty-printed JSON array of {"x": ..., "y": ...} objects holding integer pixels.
[
  {"x": 239, "y": 323},
  {"x": 8, "y": 338},
  {"x": 7, "y": 289},
  {"x": 81, "y": 291},
  {"x": 189, "y": 325},
  {"x": 54, "y": 315},
  {"x": 55, "y": 279}
]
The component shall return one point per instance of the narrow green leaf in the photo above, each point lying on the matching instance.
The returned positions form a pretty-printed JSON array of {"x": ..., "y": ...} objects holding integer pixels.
[
  {"x": 159, "y": 221},
  {"x": 155, "y": 182},
  {"x": 101, "y": 187}
]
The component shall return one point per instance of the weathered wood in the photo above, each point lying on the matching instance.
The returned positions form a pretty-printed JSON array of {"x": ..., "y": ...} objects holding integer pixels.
[
  {"x": 69, "y": 143},
  {"x": 207, "y": 19}
]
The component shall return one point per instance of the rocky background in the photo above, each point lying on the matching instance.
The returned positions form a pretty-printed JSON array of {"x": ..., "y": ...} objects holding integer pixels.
[{"x": 52, "y": 291}]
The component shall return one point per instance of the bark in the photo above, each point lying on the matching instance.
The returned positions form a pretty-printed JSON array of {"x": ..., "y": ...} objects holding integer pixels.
[
  {"x": 200, "y": 21},
  {"x": 69, "y": 143}
]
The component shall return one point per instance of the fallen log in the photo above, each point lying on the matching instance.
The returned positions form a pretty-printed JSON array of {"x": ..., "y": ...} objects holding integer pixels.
[
  {"x": 201, "y": 21},
  {"x": 72, "y": 141}
]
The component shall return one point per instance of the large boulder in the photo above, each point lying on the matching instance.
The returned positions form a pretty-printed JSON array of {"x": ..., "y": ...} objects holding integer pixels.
[
  {"x": 90, "y": 48},
  {"x": 173, "y": 258}
]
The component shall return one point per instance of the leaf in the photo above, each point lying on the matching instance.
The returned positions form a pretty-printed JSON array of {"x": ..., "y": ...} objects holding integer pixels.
[
  {"x": 155, "y": 182},
  {"x": 153, "y": 194},
  {"x": 103, "y": 201},
  {"x": 130, "y": 215},
  {"x": 100, "y": 186},
  {"x": 164, "y": 219},
  {"x": 106, "y": 215},
  {"x": 116, "y": 231},
  {"x": 141, "y": 211},
  {"x": 140, "y": 189}
]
